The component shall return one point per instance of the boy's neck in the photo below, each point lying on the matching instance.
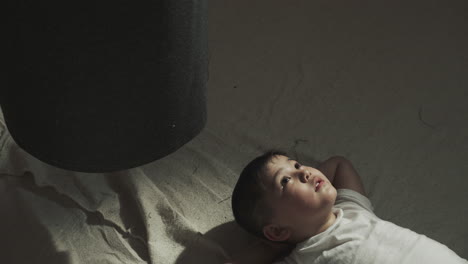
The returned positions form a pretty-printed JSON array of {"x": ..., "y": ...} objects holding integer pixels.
[
  {"x": 331, "y": 218},
  {"x": 329, "y": 221}
]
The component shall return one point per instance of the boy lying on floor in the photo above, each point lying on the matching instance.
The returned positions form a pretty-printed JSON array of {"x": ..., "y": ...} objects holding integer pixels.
[{"x": 321, "y": 215}]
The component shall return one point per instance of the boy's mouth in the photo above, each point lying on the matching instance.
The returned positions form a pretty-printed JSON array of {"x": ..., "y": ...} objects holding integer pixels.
[{"x": 318, "y": 184}]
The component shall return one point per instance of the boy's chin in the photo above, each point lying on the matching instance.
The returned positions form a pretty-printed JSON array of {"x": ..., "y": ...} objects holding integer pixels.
[
  {"x": 330, "y": 203},
  {"x": 330, "y": 193},
  {"x": 333, "y": 192}
]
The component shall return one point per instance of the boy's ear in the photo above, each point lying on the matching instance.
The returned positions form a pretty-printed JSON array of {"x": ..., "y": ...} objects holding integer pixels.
[{"x": 276, "y": 233}]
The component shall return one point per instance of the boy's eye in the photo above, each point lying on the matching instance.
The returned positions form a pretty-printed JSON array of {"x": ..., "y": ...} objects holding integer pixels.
[
  {"x": 285, "y": 180},
  {"x": 297, "y": 165}
]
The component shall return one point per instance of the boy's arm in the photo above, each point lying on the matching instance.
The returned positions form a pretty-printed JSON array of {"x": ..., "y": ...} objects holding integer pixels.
[{"x": 341, "y": 173}]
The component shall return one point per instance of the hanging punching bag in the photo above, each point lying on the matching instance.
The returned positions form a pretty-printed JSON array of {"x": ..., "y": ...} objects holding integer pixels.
[{"x": 100, "y": 86}]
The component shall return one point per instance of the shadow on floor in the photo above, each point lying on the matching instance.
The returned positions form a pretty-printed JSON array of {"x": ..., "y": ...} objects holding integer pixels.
[
  {"x": 222, "y": 243},
  {"x": 24, "y": 239},
  {"x": 216, "y": 245}
]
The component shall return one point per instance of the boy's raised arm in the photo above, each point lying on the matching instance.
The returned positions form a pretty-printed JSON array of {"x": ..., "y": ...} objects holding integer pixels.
[{"x": 342, "y": 174}]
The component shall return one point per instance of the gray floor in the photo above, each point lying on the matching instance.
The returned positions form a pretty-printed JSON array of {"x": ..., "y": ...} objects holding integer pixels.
[{"x": 384, "y": 83}]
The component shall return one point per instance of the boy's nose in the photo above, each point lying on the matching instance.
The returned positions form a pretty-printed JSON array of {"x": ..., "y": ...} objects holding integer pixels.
[{"x": 304, "y": 176}]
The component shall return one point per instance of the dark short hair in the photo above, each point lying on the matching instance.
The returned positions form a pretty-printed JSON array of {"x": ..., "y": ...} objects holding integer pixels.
[{"x": 250, "y": 210}]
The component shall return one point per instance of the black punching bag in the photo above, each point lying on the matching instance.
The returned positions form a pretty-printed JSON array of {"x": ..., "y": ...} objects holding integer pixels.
[{"x": 100, "y": 86}]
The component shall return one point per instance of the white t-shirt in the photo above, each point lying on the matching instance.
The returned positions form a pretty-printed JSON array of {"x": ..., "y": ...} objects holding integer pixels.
[{"x": 359, "y": 236}]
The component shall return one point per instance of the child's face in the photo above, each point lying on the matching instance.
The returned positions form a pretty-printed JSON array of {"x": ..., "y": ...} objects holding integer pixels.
[{"x": 297, "y": 201}]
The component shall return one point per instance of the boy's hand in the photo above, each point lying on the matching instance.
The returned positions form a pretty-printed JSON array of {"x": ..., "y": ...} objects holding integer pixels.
[{"x": 342, "y": 174}]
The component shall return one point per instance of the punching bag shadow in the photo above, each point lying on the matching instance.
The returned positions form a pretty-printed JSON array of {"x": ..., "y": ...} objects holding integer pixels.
[{"x": 101, "y": 86}]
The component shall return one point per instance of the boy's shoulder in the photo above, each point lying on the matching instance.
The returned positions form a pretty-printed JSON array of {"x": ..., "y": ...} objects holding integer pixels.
[{"x": 347, "y": 199}]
